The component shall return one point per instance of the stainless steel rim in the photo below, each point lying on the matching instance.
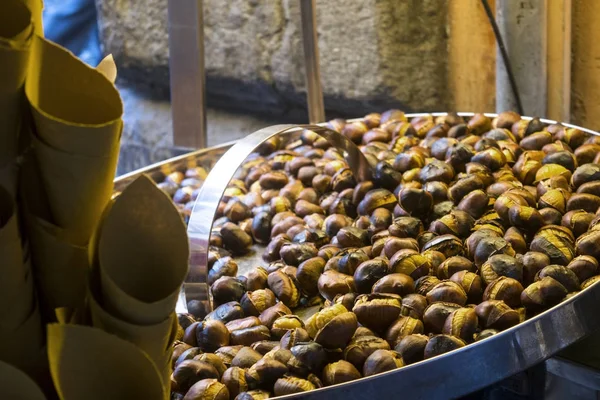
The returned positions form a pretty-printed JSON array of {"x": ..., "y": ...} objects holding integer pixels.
[{"x": 473, "y": 367}]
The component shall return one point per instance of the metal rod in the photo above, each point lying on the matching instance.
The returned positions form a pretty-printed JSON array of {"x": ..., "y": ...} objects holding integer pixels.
[
  {"x": 186, "y": 71},
  {"x": 316, "y": 109},
  {"x": 522, "y": 25}
]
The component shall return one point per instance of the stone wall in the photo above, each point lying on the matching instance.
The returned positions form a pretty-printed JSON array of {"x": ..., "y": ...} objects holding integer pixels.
[{"x": 374, "y": 53}]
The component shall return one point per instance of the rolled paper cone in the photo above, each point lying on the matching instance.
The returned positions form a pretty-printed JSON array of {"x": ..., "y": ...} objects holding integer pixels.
[
  {"x": 8, "y": 177},
  {"x": 88, "y": 363},
  {"x": 16, "y": 32},
  {"x": 143, "y": 254},
  {"x": 23, "y": 347},
  {"x": 12, "y": 272},
  {"x": 152, "y": 339},
  {"x": 17, "y": 305},
  {"x": 76, "y": 109},
  {"x": 77, "y": 187},
  {"x": 61, "y": 268},
  {"x": 108, "y": 68},
  {"x": 16, "y": 385},
  {"x": 36, "y": 7}
]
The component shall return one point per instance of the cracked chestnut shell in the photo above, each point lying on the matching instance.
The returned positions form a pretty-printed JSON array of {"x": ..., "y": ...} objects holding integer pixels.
[
  {"x": 471, "y": 283},
  {"x": 564, "y": 275},
  {"x": 413, "y": 305},
  {"x": 496, "y": 314},
  {"x": 370, "y": 272},
  {"x": 308, "y": 274},
  {"x": 247, "y": 336},
  {"x": 284, "y": 288},
  {"x": 556, "y": 242},
  {"x": 448, "y": 292},
  {"x": 377, "y": 311},
  {"x": 285, "y": 323},
  {"x": 506, "y": 289},
  {"x": 339, "y": 372},
  {"x": 410, "y": 263},
  {"x": 461, "y": 323},
  {"x": 543, "y": 294},
  {"x": 380, "y": 361},
  {"x": 584, "y": 267},
  {"x": 440, "y": 344},
  {"x": 253, "y": 303},
  {"x": 188, "y": 372},
  {"x": 412, "y": 348},
  {"x": 396, "y": 283},
  {"x": 291, "y": 384},
  {"x": 360, "y": 348},
  {"x": 402, "y": 327},
  {"x": 501, "y": 265},
  {"x": 208, "y": 389},
  {"x": 268, "y": 316},
  {"x": 234, "y": 378},
  {"x": 452, "y": 265},
  {"x": 331, "y": 283}
]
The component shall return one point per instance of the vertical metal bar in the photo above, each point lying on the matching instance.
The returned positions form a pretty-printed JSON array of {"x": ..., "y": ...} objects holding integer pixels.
[
  {"x": 523, "y": 28},
  {"x": 559, "y": 60},
  {"x": 316, "y": 109},
  {"x": 186, "y": 71}
]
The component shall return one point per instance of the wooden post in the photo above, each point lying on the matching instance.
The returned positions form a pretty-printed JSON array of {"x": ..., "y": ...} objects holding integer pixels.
[
  {"x": 472, "y": 68},
  {"x": 559, "y": 60},
  {"x": 523, "y": 27}
]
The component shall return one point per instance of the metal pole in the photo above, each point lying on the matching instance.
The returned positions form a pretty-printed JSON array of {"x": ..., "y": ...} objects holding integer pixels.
[
  {"x": 523, "y": 29},
  {"x": 186, "y": 71},
  {"x": 316, "y": 109}
]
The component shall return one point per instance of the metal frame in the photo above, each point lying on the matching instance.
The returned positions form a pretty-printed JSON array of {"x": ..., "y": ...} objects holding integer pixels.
[{"x": 188, "y": 78}]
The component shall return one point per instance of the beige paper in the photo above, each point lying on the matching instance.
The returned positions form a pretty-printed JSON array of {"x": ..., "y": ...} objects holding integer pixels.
[
  {"x": 76, "y": 109},
  {"x": 16, "y": 385},
  {"x": 154, "y": 340},
  {"x": 23, "y": 347},
  {"x": 108, "y": 68},
  {"x": 8, "y": 177},
  {"x": 88, "y": 363},
  {"x": 143, "y": 254},
  {"x": 36, "y": 7},
  {"x": 61, "y": 267},
  {"x": 78, "y": 188},
  {"x": 16, "y": 32},
  {"x": 16, "y": 304},
  {"x": 12, "y": 272}
]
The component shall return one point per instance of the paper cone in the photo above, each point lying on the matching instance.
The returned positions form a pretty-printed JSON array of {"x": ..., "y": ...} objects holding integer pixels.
[
  {"x": 16, "y": 305},
  {"x": 16, "y": 385},
  {"x": 143, "y": 254},
  {"x": 23, "y": 347},
  {"x": 8, "y": 177},
  {"x": 16, "y": 33},
  {"x": 78, "y": 188},
  {"x": 36, "y": 7},
  {"x": 12, "y": 272},
  {"x": 88, "y": 363},
  {"x": 108, "y": 68},
  {"x": 61, "y": 268},
  {"x": 154, "y": 340},
  {"x": 76, "y": 109}
]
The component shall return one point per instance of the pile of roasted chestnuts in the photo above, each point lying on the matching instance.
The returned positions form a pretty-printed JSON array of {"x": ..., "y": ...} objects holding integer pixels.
[{"x": 467, "y": 227}]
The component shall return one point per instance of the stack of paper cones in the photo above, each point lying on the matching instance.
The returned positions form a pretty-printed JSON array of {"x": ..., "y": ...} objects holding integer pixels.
[
  {"x": 16, "y": 35},
  {"x": 77, "y": 124},
  {"x": 140, "y": 262},
  {"x": 21, "y": 334},
  {"x": 88, "y": 363},
  {"x": 21, "y": 337}
]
